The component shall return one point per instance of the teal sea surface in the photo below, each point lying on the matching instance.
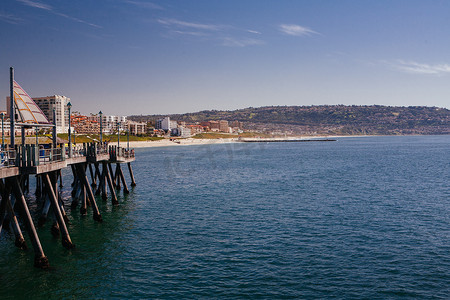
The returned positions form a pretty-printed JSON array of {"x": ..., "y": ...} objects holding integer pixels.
[{"x": 365, "y": 217}]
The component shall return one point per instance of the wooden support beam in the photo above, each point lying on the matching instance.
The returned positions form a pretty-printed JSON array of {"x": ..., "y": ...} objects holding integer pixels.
[
  {"x": 97, "y": 171},
  {"x": 5, "y": 194},
  {"x": 103, "y": 184},
  {"x": 40, "y": 260},
  {"x": 7, "y": 206},
  {"x": 60, "y": 179},
  {"x": 111, "y": 186},
  {"x": 20, "y": 241},
  {"x": 54, "y": 178},
  {"x": 27, "y": 183},
  {"x": 66, "y": 241},
  {"x": 44, "y": 213},
  {"x": 74, "y": 173},
  {"x": 122, "y": 177},
  {"x": 93, "y": 176},
  {"x": 90, "y": 195},
  {"x": 75, "y": 196},
  {"x": 83, "y": 208},
  {"x": 112, "y": 174},
  {"x": 38, "y": 186},
  {"x": 133, "y": 183},
  {"x": 117, "y": 176},
  {"x": 76, "y": 186}
]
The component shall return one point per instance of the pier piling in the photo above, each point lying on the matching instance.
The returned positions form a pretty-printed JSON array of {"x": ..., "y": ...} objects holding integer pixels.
[
  {"x": 47, "y": 168},
  {"x": 40, "y": 260},
  {"x": 133, "y": 183},
  {"x": 90, "y": 195},
  {"x": 66, "y": 241},
  {"x": 111, "y": 188},
  {"x": 122, "y": 178}
]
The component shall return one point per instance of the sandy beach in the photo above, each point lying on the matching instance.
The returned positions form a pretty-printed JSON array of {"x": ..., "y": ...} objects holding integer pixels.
[{"x": 192, "y": 141}]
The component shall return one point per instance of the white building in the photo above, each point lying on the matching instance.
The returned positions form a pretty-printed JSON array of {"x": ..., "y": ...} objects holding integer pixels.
[
  {"x": 166, "y": 124},
  {"x": 181, "y": 131},
  {"x": 47, "y": 104},
  {"x": 111, "y": 123},
  {"x": 136, "y": 128}
]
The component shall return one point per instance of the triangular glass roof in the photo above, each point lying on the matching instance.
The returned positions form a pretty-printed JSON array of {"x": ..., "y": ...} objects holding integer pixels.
[{"x": 27, "y": 109}]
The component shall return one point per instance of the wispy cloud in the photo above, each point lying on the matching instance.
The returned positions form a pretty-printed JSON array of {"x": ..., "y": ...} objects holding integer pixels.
[
  {"x": 253, "y": 31},
  {"x": 11, "y": 19},
  {"x": 183, "y": 24},
  {"x": 192, "y": 33},
  {"x": 76, "y": 19},
  {"x": 147, "y": 5},
  {"x": 420, "y": 68},
  {"x": 36, "y": 4},
  {"x": 228, "y": 35},
  {"x": 50, "y": 9},
  {"x": 296, "y": 30},
  {"x": 233, "y": 42}
]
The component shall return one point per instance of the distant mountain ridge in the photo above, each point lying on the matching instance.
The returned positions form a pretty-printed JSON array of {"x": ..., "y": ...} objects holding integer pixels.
[{"x": 328, "y": 119}]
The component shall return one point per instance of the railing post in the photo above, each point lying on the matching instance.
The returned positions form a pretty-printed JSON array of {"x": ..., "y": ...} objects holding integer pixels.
[
  {"x": 24, "y": 155},
  {"x": 33, "y": 155},
  {"x": 63, "y": 152},
  {"x": 37, "y": 156},
  {"x": 29, "y": 159},
  {"x": 17, "y": 159}
]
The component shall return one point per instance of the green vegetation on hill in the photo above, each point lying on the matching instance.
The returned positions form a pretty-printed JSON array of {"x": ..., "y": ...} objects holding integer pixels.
[{"x": 329, "y": 119}]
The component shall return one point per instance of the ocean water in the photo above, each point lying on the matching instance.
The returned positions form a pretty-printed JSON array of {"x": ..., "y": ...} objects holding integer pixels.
[{"x": 357, "y": 218}]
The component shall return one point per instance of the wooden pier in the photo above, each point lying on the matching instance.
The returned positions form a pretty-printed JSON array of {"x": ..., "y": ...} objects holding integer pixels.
[{"x": 22, "y": 161}]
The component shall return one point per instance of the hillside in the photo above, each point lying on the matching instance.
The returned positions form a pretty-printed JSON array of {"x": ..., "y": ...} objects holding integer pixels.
[{"x": 329, "y": 119}]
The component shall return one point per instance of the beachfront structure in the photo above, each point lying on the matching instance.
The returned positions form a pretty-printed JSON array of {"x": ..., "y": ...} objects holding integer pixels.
[
  {"x": 84, "y": 124},
  {"x": 223, "y": 126},
  {"x": 236, "y": 125},
  {"x": 166, "y": 124},
  {"x": 136, "y": 128},
  {"x": 110, "y": 124},
  {"x": 47, "y": 104},
  {"x": 181, "y": 132},
  {"x": 59, "y": 103}
]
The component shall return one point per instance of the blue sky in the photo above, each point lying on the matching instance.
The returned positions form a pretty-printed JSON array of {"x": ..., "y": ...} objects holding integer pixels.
[{"x": 156, "y": 57}]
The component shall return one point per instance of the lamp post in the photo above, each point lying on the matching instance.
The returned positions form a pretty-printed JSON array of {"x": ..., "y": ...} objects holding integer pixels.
[
  {"x": 12, "y": 111},
  {"x": 101, "y": 126},
  {"x": 69, "y": 106},
  {"x": 54, "y": 127},
  {"x": 118, "y": 135},
  {"x": 3, "y": 131},
  {"x": 128, "y": 139}
]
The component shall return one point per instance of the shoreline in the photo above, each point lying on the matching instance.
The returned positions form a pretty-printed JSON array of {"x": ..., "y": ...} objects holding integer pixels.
[
  {"x": 182, "y": 142},
  {"x": 193, "y": 142}
]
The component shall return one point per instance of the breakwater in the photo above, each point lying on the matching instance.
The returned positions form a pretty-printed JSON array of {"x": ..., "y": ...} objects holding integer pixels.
[{"x": 277, "y": 140}]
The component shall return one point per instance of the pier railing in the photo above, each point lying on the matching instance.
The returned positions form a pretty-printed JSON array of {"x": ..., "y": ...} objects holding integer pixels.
[
  {"x": 88, "y": 150},
  {"x": 77, "y": 151},
  {"x": 32, "y": 155},
  {"x": 35, "y": 155},
  {"x": 8, "y": 158},
  {"x": 117, "y": 153}
]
